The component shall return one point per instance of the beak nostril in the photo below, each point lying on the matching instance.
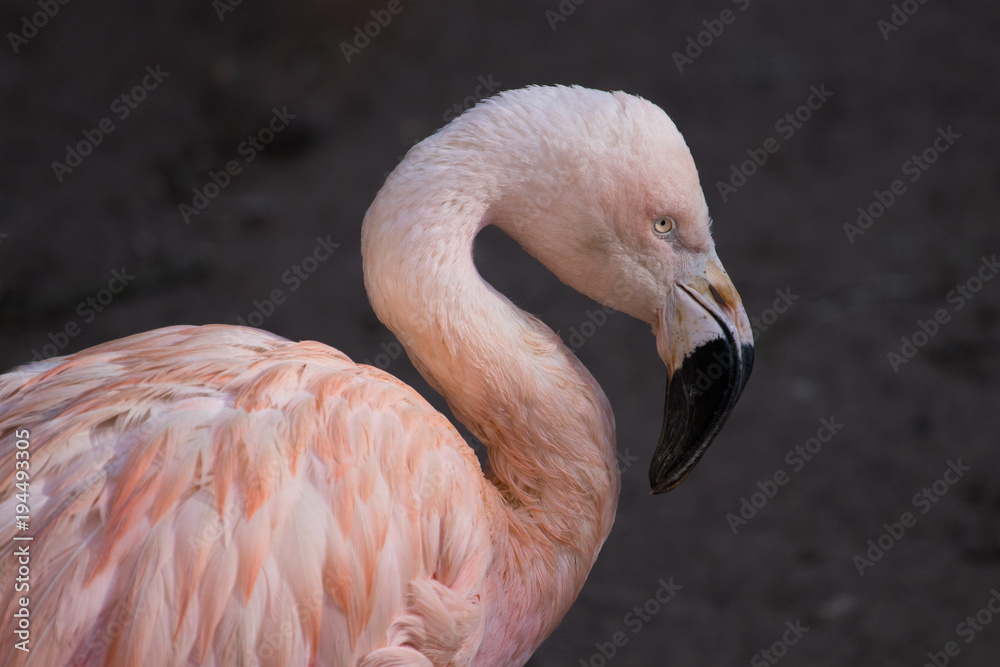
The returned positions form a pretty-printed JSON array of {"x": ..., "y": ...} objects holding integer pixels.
[{"x": 715, "y": 294}]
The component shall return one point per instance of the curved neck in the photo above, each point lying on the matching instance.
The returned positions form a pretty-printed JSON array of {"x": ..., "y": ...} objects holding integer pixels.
[{"x": 546, "y": 424}]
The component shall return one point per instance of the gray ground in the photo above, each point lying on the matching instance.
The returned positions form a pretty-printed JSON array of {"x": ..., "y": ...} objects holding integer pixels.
[{"x": 782, "y": 230}]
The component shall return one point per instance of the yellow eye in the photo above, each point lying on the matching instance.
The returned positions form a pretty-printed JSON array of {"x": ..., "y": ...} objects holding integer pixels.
[{"x": 663, "y": 226}]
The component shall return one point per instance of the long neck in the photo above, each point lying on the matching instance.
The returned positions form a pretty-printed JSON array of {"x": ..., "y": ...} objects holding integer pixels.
[{"x": 546, "y": 424}]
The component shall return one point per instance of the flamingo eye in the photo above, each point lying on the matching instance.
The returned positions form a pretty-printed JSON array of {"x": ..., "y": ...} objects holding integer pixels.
[{"x": 663, "y": 226}]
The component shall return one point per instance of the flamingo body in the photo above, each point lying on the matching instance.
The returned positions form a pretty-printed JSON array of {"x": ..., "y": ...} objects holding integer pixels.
[{"x": 221, "y": 496}]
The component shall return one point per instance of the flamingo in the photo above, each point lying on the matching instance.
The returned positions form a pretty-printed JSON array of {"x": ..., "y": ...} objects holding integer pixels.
[{"x": 219, "y": 495}]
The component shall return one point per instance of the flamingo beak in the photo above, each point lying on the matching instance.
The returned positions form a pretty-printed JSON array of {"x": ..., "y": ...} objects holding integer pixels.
[{"x": 705, "y": 340}]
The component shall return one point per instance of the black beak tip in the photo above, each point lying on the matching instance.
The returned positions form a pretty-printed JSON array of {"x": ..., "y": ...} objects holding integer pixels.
[
  {"x": 658, "y": 488},
  {"x": 664, "y": 480},
  {"x": 700, "y": 397}
]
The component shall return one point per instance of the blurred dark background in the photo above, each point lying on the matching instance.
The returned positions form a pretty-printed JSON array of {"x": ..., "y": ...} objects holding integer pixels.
[{"x": 224, "y": 68}]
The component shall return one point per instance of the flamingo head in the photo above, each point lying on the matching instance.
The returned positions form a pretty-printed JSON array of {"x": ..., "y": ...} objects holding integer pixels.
[{"x": 602, "y": 189}]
